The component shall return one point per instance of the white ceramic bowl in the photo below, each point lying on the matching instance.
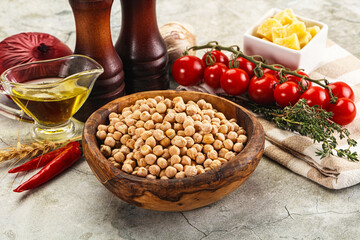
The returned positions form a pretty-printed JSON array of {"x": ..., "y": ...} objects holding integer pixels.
[{"x": 307, "y": 58}]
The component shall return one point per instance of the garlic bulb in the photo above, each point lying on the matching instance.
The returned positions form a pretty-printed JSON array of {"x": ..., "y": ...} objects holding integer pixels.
[{"x": 178, "y": 38}]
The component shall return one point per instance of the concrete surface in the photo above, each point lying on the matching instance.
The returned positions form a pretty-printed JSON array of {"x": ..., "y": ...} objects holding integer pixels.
[{"x": 273, "y": 204}]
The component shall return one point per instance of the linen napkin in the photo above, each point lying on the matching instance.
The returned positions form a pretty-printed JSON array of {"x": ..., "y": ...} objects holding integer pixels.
[{"x": 297, "y": 152}]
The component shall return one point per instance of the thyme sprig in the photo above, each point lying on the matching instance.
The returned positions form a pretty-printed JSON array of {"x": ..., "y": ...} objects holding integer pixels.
[{"x": 308, "y": 121}]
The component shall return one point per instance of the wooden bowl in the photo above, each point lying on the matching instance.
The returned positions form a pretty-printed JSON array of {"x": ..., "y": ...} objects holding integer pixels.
[{"x": 175, "y": 194}]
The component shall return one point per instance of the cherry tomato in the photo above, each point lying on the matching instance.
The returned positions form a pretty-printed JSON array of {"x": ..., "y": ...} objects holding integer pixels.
[
  {"x": 287, "y": 93},
  {"x": 234, "y": 81},
  {"x": 342, "y": 90},
  {"x": 212, "y": 74},
  {"x": 302, "y": 82},
  {"x": 272, "y": 72},
  {"x": 316, "y": 95},
  {"x": 219, "y": 57},
  {"x": 245, "y": 65},
  {"x": 261, "y": 90},
  {"x": 188, "y": 70},
  {"x": 344, "y": 111}
]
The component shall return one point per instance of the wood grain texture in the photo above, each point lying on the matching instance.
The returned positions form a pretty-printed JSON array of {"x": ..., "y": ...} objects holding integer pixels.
[{"x": 176, "y": 194}]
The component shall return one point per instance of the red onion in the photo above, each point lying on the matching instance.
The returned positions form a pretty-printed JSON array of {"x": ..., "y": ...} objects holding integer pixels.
[{"x": 30, "y": 47}]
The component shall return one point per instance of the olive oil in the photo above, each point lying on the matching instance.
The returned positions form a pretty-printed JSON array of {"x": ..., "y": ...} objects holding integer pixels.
[{"x": 50, "y": 102}]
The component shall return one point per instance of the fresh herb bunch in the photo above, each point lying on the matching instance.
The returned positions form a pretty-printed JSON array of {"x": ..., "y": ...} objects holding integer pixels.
[{"x": 308, "y": 121}]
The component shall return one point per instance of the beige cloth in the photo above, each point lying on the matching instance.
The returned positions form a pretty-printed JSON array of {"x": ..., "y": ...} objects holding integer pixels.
[{"x": 296, "y": 152}]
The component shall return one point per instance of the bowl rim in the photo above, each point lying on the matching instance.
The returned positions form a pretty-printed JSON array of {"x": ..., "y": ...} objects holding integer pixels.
[
  {"x": 270, "y": 13},
  {"x": 252, "y": 148}
]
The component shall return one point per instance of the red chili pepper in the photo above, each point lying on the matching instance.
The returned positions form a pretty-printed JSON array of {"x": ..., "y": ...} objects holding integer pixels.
[
  {"x": 63, "y": 161},
  {"x": 42, "y": 160}
]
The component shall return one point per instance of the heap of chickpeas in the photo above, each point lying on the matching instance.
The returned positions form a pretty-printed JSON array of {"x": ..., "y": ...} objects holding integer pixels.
[{"x": 163, "y": 138}]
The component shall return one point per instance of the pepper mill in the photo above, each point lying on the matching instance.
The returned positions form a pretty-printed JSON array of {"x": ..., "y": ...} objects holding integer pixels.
[
  {"x": 141, "y": 47},
  {"x": 93, "y": 38}
]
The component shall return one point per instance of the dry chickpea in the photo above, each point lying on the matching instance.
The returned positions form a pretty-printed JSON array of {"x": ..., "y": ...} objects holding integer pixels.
[
  {"x": 170, "y": 172},
  {"x": 179, "y": 167},
  {"x": 220, "y": 136},
  {"x": 190, "y": 171},
  {"x": 124, "y": 149},
  {"x": 151, "y": 102},
  {"x": 151, "y": 142},
  {"x": 129, "y": 156},
  {"x": 189, "y": 142},
  {"x": 192, "y": 152},
  {"x": 174, "y": 150},
  {"x": 185, "y": 160},
  {"x": 217, "y": 144},
  {"x": 130, "y": 143},
  {"x": 165, "y": 125},
  {"x": 145, "y": 150},
  {"x": 145, "y": 116},
  {"x": 191, "y": 110},
  {"x": 158, "y": 150},
  {"x": 168, "y": 103},
  {"x": 136, "y": 114},
  {"x": 130, "y": 162},
  {"x": 222, "y": 160},
  {"x": 126, "y": 113},
  {"x": 127, "y": 168},
  {"x": 150, "y": 159},
  {"x": 178, "y": 100},
  {"x": 178, "y": 126},
  {"x": 228, "y": 144},
  {"x": 157, "y": 118},
  {"x": 159, "y": 98},
  {"x": 175, "y": 159},
  {"x": 141, "y": 162},
  {"x": 207, "y": 148},
  {"x": 212, "y": 154},
  {"x": 200, "y": 158},
  {"x": 130, "y": 121},
  {"x": 206, "y": 127},
  {"x": 166, "y": 154},
  {"x": 119, "y": 157},
  {"x": 149, "y": 124},
  {"x": 113, "y": 115},
  {"x": 170, "y": 117},
  {"x": 137, "y": 155},
  {"x": 242, "y": 139},
  {"x": 109, "y": 141},
  {"x": 162, "y": 163},
  {"x": 183, "y": 151},
  {"x": 207, "y": 162},
  {"x": 188, "y": 122},
  {"x": 131, "y": 130},
  {"x": 215, "y": 164},
  {"x": 157, "y": 126},
  {"x": 139, "y": 143},
  {"x": 111, "y": 129},
  {"x": 199, "y": 170},
  {"x": 117, "y": 135},
  {"x": 180, "y": 107},
  {"x": 223, "y": 129},
  {"x": 139, "y": 131},
  {"x": 170, "y": 133},
  {"x": 236, "y": 126},
  {"x": 105, "y": 150},
  {"x": 214, "y": 130},
  {"x": 205, "y": 118},
  {"x": 142, "y": 172},
  {"x": 208, "y": 139},
  {"x": 158, "y": 134},
  {"x": 114, "y": 151},
  {"x": 181, "y": 133},
  {"x": 165, "y": 142},
  {"x": 222, "y": 152},
  {"x": 238, "y": 147},
  {"x": 161, "y": 107},
  {"x": 198, "y": 147},
  {"x": 179, "y": 141},
  {"x": 154, "y": 170},
  {"x": 241, "y": 131},
  {"x": 228, "y": 156},
  {"x": 102, "y": 127},
  {"x": 164, "y": 178},
  {"x": 180, "y": 175},
  {"x": 189, "y": 131},
  {"x": 150, "y": 176},
  {"x": 201, "y": 103},
  {"x": 197, "y": 137},
  {"x": 146, "y": 134},
  {"x": 101, "y": 134}
]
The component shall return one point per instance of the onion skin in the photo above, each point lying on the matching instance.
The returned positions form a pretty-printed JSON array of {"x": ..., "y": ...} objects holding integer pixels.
[{"x": 30, "y": 47}]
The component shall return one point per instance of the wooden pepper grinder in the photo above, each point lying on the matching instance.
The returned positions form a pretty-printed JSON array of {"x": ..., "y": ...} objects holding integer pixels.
[
  {"x": 93, "y": 38},
  {"x": 141, "y": 47}
]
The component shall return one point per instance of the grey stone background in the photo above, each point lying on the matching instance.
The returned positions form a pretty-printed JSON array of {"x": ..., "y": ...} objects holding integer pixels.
[{"x": 273, "y": 204}]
